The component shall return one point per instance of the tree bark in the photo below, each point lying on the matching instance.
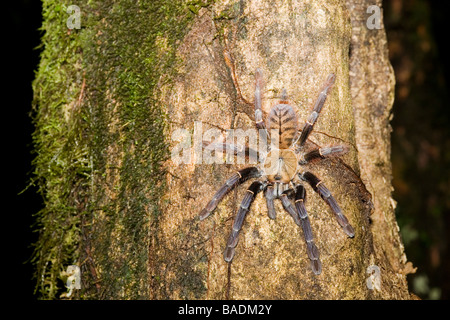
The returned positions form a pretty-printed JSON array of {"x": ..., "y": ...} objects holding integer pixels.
[{"x": 146, "y": 70}]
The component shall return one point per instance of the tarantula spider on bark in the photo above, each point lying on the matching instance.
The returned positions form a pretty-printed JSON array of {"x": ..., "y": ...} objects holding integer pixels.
[{"x": 279, "y": 171}]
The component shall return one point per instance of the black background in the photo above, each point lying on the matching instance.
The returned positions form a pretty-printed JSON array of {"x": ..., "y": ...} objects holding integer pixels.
[{"x": 23, "y": 19}]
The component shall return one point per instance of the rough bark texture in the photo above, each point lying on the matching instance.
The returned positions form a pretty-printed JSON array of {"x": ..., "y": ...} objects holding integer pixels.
[
  {"x": 296, "y": 44},
  {"x": 372, "y": 87},
  {"x": 138, "y": 237}
]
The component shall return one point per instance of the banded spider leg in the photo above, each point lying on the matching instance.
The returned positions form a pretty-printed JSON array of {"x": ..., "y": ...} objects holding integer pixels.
[
  {"x": 237, "y": 178},
  {"x": 300, "y": 216},
  {"x": 323, "y": 191},
  {"x": 309, "y": 124},
  {"x": 233, "y": 239}
]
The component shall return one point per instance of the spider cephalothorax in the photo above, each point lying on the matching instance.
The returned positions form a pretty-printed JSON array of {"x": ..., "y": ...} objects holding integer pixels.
[{"x": 279, "y": 173}]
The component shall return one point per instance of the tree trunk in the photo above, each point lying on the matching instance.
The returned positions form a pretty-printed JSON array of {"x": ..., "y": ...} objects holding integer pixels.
[{"x": 110, "y": 95}]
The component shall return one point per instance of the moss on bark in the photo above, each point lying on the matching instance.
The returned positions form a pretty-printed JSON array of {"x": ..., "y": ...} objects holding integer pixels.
[{"x": 100, "y": 141}]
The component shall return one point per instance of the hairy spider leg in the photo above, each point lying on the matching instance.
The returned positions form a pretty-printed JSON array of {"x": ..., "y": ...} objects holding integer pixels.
[
  {"x": 260, "y": 125},
  {"x": 249, "y": 196},
  {"x": 287, "y": 205},
  {"x": 236, "y": 179},
  {"x": 270, "y": 197},
  {"x": 322, "y": 153},
  {"x": 235, "y": 149},
  {"x": 318, "y": 187},
  {"x": 298, "y": 213},
  {"x": 283, "y": 97},
  {"x": 309, "y": 124},
  {"x": 229, "y": 61},
  {"x": 311, "y": 248}
]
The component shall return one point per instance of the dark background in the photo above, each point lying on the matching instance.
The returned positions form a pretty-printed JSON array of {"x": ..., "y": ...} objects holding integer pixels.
[
  {"x": 418, "y": 36},
  {"x": 23, "y": 19}
]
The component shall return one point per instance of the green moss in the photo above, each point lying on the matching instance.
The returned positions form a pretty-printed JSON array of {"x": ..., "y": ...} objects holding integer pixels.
[
  {"x": 100, "y": 141},
  {"x": 61, "y": 165}
]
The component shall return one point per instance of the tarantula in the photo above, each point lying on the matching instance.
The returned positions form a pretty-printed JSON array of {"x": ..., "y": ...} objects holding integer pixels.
[{"x": 279, "y": 171}]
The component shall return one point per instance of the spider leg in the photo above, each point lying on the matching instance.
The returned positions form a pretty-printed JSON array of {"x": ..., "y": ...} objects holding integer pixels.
[
  {"x": 270, "y": 197},
  {"x": 229, "y": 61},
  {"x": 236, "y": 179},
  {"x": 318, "y": 187},
  {"x": 260, "y": 125},
  {"x": 309, "y": 124},
  {"x": 284, "y": 97},
  {"x": 322, "y": 153},
  {"x": 287, "y": 205},
  {"x": 301, "y": 219},
  {"x": 313, "y": 251},
  {"x": 250, "y": 195},
  {"x": 236, "y": 149}
]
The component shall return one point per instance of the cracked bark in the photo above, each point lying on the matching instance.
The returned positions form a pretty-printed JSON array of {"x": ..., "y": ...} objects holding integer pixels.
[{"x": 296, "y": 44}]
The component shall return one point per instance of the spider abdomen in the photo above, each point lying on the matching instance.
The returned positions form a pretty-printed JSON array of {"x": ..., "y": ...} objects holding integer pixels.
[{"x": 282, "y": 122}]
